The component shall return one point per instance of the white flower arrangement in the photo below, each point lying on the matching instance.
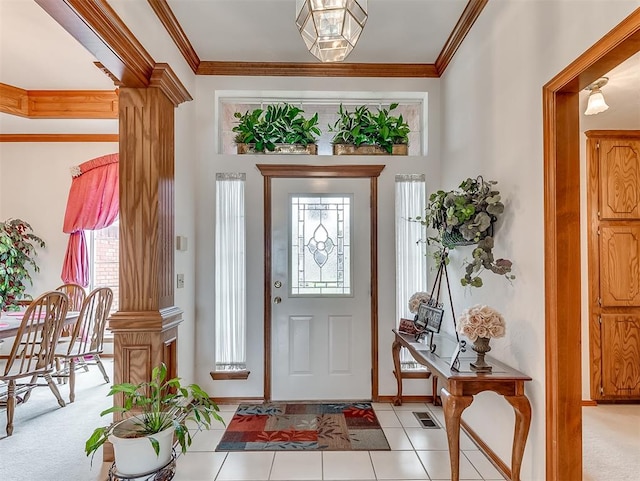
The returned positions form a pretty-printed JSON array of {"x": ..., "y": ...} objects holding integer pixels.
[
  {"x": 481, "y": 321},
  {"x": 416, "y": 299}
]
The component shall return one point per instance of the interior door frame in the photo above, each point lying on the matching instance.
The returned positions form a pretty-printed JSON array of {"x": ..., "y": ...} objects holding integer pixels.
[
  {"x": 281, "y": 171},
  {"x": 563, "y": 272}
]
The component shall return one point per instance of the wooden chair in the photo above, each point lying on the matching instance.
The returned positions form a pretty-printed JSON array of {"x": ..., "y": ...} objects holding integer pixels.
[
  {"x": 87, "y": 339},
  {"x": 32, "y": 354},
  {"x": 76, "y": 294}
]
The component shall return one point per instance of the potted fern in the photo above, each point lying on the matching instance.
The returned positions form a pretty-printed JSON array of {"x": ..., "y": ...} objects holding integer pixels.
[
  {"x": 466, "y": 216},
  {"x": 17, "y": 255},
  {"x": 159, "y": 410},
  {"x": 363, "y": 132},
  {"x": 279, "y": 129}
]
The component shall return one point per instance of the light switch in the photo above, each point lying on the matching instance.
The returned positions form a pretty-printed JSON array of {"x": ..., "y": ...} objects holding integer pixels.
[
  {"x": 180, "y": 281},
  {"x": 181, "y": 243}
]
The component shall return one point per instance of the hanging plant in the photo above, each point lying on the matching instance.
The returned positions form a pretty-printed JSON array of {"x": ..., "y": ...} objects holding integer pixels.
[
  {"x": 466, "y": 217},
  {"x": 17, "y": 253}
]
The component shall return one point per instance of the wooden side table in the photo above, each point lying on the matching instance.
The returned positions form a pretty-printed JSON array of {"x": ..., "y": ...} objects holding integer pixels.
[{"x": 458, "y": 391}]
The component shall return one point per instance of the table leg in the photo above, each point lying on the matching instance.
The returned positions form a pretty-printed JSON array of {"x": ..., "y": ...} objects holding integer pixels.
[
  {"x": 453, "y": 407},
  {"x": 395, "y": 351},
  {"x": 522, "y": 409}
]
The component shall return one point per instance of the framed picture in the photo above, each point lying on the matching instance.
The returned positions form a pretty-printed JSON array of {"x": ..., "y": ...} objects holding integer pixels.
[{"x": 429, "y": 318}]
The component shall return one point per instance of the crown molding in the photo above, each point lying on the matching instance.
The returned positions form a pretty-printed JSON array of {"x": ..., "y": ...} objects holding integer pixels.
[
  {"x": 58, "y": 137},
  {"x": 174, "y": 29},
  {"x": 96, "y": 26},
  {"x": 467, "y": 19},
  {"x": 294, "y": 69},
  {"x": 58, "y": 104},
  {"x": 164, "y": 78}
]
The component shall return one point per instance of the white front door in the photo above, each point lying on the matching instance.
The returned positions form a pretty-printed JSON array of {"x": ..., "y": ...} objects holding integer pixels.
[{"x": 321, "y": 288}]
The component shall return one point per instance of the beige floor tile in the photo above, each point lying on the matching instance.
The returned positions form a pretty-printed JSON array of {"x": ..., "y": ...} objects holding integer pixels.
[
  {"x": 382, "y": 406},
  {"x": 388, "y": 419},
  {"x": 297, "y": 465},
  {"x": 347, "y": 465},
  {"x": 398, "y": 439},
  {"x": 246, "y": 466},
  {"x": 411, "y": 407},
  {"x": 397, "y": 465},
  {"x": 194, "y": 466},
  {"x": 483, "y": 465},
  {"x": 428, "y": 439},
  {"x": 228, "y": 407},
  {"x": 408, "y": 419},
  {"x": 206, "y": 440},
  {"x": 438, "y": 465}
]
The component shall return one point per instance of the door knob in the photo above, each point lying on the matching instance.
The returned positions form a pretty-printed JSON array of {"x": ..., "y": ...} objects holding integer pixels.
[{"x": 277, "y": 300}]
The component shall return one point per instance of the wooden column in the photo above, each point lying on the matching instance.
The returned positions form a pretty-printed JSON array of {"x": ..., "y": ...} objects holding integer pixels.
[{"x": 146, "y": 326}]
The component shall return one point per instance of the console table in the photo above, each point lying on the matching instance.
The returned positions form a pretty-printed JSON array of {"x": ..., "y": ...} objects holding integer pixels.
[{"x": 458, "y": 390}]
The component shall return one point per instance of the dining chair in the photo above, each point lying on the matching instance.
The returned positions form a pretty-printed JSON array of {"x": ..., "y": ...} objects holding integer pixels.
[
  {"x": 32, "y": 353},
  {"x": 76, "y": 294},
  {"x": 87, "y": 339}
]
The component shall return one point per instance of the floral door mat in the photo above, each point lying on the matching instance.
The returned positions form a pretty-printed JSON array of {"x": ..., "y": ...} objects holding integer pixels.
[{"x": 305, "y": 427}]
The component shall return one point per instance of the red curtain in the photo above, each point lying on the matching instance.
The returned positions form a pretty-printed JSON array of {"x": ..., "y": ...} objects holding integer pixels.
[{"x": 92, "y": 204}]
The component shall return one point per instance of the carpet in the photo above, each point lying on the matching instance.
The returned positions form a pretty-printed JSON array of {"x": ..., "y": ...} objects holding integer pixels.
[{"x": 304, "y": 427}]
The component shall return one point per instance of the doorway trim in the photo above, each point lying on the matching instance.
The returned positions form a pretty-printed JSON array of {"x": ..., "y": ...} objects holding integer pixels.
[
  {"x": 273, "y": 171},
  {"x": 563, "y": 273}
]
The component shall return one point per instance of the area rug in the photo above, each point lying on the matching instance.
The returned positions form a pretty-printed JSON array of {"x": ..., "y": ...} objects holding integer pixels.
[{"x": 303, "y": 426}]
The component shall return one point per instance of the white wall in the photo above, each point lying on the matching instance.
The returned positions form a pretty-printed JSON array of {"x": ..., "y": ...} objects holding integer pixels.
[
  {"x": 35, "y": 186},
  {"x": 492, "y": 125},
  {"x": 209, "y": 163}
]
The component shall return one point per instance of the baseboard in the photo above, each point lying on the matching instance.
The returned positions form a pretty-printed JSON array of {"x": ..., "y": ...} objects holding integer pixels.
[
  {"x": 589, "y": 402},
  {"x": 482, "y": 446},
  {"x": 405, "y": 399}
]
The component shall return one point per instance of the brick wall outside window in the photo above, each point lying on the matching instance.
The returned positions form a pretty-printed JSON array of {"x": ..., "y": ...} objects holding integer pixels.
[{"x": 105, "y": 261}]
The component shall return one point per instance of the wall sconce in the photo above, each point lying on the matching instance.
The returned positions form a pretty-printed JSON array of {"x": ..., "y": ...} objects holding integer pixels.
[
  {"x": 596, "y": 103},
  {"x": 331, "y": 28}
]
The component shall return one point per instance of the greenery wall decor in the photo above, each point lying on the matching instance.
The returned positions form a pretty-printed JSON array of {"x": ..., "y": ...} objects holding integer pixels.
[
  {"x": 17, "y": 255},
  {"x": 277, "y": 124},
  {"x": 466, "y": 217},
  {"x": 364, "y": 127}
]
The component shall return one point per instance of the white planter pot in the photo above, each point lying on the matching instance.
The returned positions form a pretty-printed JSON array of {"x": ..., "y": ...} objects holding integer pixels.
[{"x": 136, "y": 456}]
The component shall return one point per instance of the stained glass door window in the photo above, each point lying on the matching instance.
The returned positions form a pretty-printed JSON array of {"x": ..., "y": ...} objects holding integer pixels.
[{"x": 320, "y": 261}]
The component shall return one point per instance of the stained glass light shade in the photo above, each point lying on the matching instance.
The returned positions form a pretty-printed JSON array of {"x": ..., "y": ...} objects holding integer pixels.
[{"x": 331, "y": 28}]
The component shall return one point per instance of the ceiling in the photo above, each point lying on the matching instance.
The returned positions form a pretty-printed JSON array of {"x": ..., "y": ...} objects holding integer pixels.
[{"x": 37, "y": 53}]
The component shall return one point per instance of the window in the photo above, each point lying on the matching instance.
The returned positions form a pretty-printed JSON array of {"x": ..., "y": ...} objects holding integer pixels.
[
  {"x": 411, "y": 108},
  {"x": 230, "y": 273},
  {"x": 104, "y": 260},
  {"x": 411, "y": 261},
  {"x": 320, "y": 245}
]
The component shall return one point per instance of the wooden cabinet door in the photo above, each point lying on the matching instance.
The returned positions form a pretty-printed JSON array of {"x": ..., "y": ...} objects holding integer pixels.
[
  {"x": 620, "y": 356},
  {"x": 614, "y": 263}
]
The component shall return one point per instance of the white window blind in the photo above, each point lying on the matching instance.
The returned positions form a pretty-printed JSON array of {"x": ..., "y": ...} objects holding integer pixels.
[
  {"x": 230, "y": 273},
  {"x": 411, "y": 262}
]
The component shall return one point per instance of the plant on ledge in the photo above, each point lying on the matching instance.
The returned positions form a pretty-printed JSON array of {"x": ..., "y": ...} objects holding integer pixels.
[
  {"x": 278, "y": 124},
  {"x": 17, "y": 252},
  {"x": 465, "y": 217},
  {"x": 363, "y": 127}
]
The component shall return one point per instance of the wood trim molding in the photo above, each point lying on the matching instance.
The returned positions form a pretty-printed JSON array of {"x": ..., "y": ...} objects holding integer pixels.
[
  {"x": 488, "y": 452},
  {"x": 164, "y": 78},
  {"x": 58, "y": 104},
  {"x": 601, "y": 134},
  {"x": 236, "y": 400},
  {"x": 229, "y": 375},
  {"x": 97, "y": 27},
  {"x": 271, "y": 171},
  {"x": 285, "y": 69},
  {"x": 589, "y": 402},
  {"x": 174, "y": 29},
  {"x": 59, "y": 137},
  {"x": 562, "y": 244},
  {"x": 469, "y": 15},
  {"x": 405, "y": 399}
]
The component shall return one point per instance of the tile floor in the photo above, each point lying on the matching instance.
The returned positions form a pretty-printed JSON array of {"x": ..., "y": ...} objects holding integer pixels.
[{"x": 416, "y": 454}]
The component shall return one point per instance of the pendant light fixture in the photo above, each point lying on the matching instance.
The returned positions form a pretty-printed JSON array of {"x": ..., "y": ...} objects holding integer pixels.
[
  {"x": 331, "y": 28},
  {"x": 596, "y": 103}
]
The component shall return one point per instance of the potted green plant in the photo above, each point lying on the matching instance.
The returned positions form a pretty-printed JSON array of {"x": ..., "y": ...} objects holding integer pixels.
[
  {"x": 363, "y": 132},
  {"x": 465, "y": 217},
  {"x": 17, "y": 255},
  {"x": 160, "y": 410},
  {"x": 280, "y": 128}
]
